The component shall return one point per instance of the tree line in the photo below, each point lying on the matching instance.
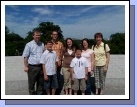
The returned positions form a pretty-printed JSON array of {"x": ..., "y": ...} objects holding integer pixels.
[{"x": 14, "y": 43}]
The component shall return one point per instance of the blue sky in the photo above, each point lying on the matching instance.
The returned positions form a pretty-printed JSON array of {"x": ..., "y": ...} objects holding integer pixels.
[{"x": 76, "y": 21}]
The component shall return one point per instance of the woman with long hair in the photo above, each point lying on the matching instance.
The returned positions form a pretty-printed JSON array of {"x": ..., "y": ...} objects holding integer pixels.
[{"x": 68, "y": 55}]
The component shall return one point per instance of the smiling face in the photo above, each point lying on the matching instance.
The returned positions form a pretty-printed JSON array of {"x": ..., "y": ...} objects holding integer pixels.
[
  {"x": 78, "y": 53},
  {"x": 85, "y": 44},
  {"x": 54, "y": 35},
  {"x": 69, "y": 43},
  {"x": 36, "y": 36},
  {"x": 98, "y": 39},
  {"x": 49, "y": 46}
]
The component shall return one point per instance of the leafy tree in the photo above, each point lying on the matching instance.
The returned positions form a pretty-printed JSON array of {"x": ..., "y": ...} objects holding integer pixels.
[
  {"x": 117, "y": 43},
  {"x": 29, "y": 37},
  {"x": 46, "y": 29},
  {"x": 6, "y": 30}
]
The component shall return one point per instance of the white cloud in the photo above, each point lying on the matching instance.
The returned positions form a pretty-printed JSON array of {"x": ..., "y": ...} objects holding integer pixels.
[
  {"x": 22, "y": 28},
  {"x": 13, "y": 7},
  {"x": 105, "y": 22},
  {"x": 42, "y": 11},
  {"x": 85, "y": 9}
]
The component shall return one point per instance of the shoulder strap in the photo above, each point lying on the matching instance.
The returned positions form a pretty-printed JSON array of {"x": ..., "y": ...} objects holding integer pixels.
[
  {"x": 105, "y": 47},
  {"x": 93, "y": 46}
]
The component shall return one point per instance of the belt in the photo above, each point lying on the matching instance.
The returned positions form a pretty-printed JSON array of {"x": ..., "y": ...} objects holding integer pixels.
[{"x": 38, "y": 65}]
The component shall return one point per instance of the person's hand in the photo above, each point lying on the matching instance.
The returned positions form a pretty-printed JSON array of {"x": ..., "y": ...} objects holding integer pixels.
[
  {"x": 91, "y": 73},
  {"x": 62, "y": 59},
  {"x": 86, "y": 78},
  {"x": 46, "y": 77},
  {"x": 72, "y": 80},
  {"x": 26, "y": 69},
  {"x": 105, "y": 69}
]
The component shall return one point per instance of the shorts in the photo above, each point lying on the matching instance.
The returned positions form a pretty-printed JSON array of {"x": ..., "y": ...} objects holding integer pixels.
[
  {"x": 51, "y": 82},
  {"x": 79, "y": 84}
]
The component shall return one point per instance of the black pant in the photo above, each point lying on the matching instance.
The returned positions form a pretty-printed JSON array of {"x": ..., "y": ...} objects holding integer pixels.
[
  {"x": 60, "y": 79},
  {"x": 35, "y": 74}
]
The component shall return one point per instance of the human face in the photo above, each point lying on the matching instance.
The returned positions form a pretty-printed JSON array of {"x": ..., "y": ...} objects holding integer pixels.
[
  {"x": 78, "y": 53},
  {"x": 54, "y": 35},
  {"x": 85, "y": 44},
  {"x": 98, "y": 39},
  {"x": 36, "y": 36},
  {"x": 49, "y": 46},
  {"x": 69, "y": 43}
]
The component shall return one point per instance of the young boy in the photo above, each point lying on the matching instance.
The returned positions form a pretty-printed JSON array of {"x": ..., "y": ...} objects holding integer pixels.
[
  {"x": 79, "y": 72},
  {"x": 49, "y": 61}
]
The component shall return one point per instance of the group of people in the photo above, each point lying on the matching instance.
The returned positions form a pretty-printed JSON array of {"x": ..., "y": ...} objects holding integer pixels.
[{"x": 55, "y": 67}]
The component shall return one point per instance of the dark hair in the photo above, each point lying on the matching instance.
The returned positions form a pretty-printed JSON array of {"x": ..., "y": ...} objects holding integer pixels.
[
  {"x": 54, "y": 31},
  {"x": 49, "y": 42},
  {"x": 85, "y": 39},
  {"x": 98, "y": 34},
  {"x": 72, "y": 47},
  {"x": 78, "y": 48},
  {"x": 35, "y": 30}
]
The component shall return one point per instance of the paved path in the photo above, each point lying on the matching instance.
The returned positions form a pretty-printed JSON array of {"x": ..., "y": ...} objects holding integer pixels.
[{"x": 16, "y": 79}]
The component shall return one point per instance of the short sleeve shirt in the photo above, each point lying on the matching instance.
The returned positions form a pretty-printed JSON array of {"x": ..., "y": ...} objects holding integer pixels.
[
  {"x": 87, "y": 54},
  {"x": 49, "y": 59},
  {"x": 79, "y": 65},
  {"x": 58, "y": 47},
  {"x": 100, "y": 55},
  {"x": 33, "y": 51}
]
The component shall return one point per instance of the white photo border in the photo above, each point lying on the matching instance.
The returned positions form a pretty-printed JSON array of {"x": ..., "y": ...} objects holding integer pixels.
[{"x": 126, "y": 3}]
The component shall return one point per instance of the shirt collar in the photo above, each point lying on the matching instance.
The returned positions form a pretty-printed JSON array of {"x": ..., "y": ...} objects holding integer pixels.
[
  {"x": 54, "y": 42},
  {"x": 36, "y": 42},
  {"x": 50, "y": 51},
  {"x": 101, "y": 44}
]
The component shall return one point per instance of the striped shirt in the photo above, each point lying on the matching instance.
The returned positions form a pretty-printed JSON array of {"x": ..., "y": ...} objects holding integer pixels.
[
  {"x": 49, "y": 59},
  {"x": 33, "y": 51}
]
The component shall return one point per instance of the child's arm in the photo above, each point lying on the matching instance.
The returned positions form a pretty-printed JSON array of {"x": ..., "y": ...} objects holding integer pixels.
[
  {"x": 86, "y": 73},
  {"x": 56, "y": 63},
  {"x": 43, "y": 62},
  {"x": 72, "y": 73},
  {"x": 86, "y": 69},
  {"x": 72, "y": 69},
  {"x": 44, "y": 72},
  {"x": 56, "y": 66}
]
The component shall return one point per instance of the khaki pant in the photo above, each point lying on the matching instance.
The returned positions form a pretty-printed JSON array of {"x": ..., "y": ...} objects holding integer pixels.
[{"x": 67, "y": 77}]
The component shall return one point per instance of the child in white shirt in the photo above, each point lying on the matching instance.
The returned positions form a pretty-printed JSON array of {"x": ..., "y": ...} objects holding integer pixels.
[{"x": 79, "y": 72}]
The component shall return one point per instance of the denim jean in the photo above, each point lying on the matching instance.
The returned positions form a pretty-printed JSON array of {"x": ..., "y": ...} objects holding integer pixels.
[
  {"x": 60, "y": 79},
  {"x": 88, "y": 85}
]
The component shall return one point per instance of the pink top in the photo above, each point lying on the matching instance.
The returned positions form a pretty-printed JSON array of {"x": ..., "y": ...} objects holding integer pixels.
[{"x": 87, "y": 55}]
